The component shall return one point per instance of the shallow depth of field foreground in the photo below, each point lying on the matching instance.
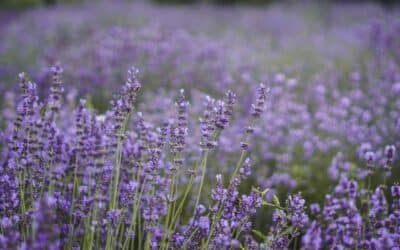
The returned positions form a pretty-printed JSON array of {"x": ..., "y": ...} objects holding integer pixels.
[{"x": 141, "y": 126}]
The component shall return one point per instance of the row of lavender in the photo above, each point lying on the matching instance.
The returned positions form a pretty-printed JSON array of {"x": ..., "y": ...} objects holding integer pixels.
[
  {"x": 338, "y": 91},
  {"x": 119, "y": 181},
  {"x": 127, "y": 179}
]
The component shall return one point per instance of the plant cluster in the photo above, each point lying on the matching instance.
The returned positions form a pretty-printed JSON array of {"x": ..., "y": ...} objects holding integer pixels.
[{"x": 198, "y": 156}]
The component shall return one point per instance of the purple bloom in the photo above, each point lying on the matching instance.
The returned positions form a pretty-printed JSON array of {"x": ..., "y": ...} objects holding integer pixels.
[
  {"x": 312, "y": 240},
  {"x": 296, "y": 205},
  {"x": 315, "y": 209}
]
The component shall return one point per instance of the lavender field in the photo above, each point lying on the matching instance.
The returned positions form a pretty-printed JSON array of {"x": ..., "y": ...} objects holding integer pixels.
[{"x": 138, "y": 126}]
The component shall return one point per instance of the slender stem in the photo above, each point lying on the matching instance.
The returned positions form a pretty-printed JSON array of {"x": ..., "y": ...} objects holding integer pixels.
[
  {"x": 167, "y": 219},
  {"x": 115, "y": 182},
  {"x": 181, "y": 204},
  {"x": 137, "y": 215},
  {"x": 22, "y": 195},
  {"x": 138, "y": 196},
  {"x": 203, "y": 165},
  {"x": 203, "y": 175},
  {"x": 384, "y": 179},
  {"x": 139, "y": 229},
  {"x": 116, "y": 177},
  {"x": 180, "y": 207},
  {"x": 74, "y": 196},
  {"x": 172, "y": 193},
  {"x": 147, "y": 243},
  {"x": 273, "y": 205}
]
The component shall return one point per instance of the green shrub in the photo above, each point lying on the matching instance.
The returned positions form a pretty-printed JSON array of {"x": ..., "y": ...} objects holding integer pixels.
[{"x": 19, "y": 4}]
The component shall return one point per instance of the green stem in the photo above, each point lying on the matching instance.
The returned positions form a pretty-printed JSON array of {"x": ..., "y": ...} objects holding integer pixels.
[
  {"x": 203, "y": 175},
  {"x": 115, "y": 182},
  {"x": 138, "y": 196},
  {"x": 116, "y": 177},
  {"x": 74, "y": 196},
  {"x": 180, "y": 207},
  {"x": 181, "y": 204},
  {"x": 169, "y": 211},
  {"x": 147, "y": 243},
  {"x": 22, "y": 195}
]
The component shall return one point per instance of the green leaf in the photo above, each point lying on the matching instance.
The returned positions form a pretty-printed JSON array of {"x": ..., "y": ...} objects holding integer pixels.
[
  {"x": 276, "y": 201},
  {"x": 259, "y": 234}
]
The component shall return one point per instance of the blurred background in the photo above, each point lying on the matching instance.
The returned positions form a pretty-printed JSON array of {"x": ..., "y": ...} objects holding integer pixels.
[{"x": 22, "y": 4}]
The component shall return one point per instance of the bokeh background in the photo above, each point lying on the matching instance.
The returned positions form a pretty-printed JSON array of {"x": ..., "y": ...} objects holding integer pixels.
[{"x": 33, "y": 3}]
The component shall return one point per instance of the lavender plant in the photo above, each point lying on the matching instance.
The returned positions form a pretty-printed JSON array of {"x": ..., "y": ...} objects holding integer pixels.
[
  {"x": 118, "y": 181},
  {"x": 114, "y": 180},
  {"x": 199, "y": 168}
]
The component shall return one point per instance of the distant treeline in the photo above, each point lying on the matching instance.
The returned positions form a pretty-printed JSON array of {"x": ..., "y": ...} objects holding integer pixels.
[
  {"x": 263, "y": 2},
  {"x": 20, "y": 4}
]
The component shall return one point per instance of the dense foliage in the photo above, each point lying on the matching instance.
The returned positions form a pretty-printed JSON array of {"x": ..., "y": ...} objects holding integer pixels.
[{"x": 192, "y": 151}]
